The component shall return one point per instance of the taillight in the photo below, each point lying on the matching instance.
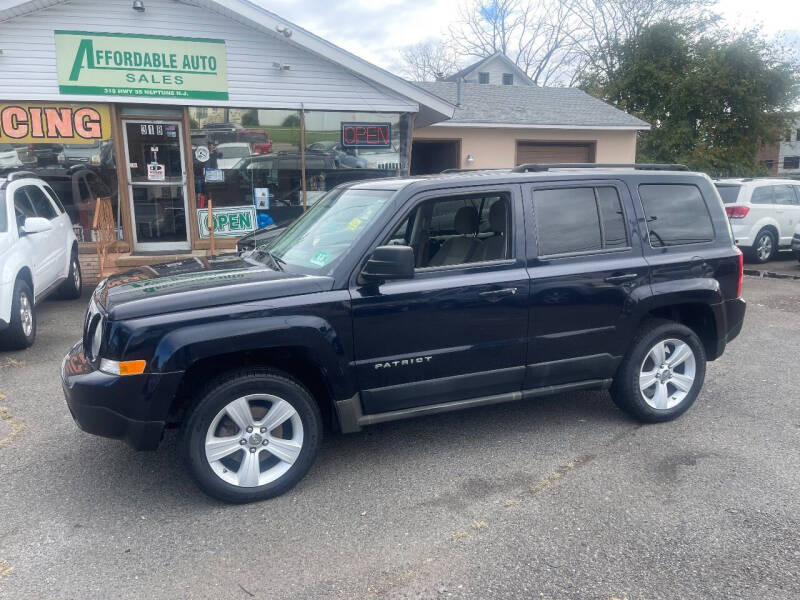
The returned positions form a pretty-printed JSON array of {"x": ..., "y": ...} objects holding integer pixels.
[
  {"x": 741, "y": 273},
  {"x": 737, "y": 212}
]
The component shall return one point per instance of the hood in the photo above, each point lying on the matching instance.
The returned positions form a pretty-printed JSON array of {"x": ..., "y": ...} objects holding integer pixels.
[{"x": 198, "y": 282}]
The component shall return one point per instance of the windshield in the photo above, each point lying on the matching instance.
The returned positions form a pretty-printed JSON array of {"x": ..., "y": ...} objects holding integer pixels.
[
  {"x": 729, "y": 193},
  {"x": 3, "y": 215},
  {"x": 317, "y": 240}
]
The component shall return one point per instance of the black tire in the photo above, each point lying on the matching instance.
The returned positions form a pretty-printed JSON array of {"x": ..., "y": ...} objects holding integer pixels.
[
  {"x": 15, "y": 338},
  {"x": 625, "y": 389},
  {"x": 753, "y": 253},
  {"x": 73, "y": 285},
  {"x": 214, "y": 398}
]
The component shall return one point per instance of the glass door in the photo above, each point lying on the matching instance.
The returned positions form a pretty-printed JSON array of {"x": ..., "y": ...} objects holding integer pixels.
[{"x": 157, "y": 185}]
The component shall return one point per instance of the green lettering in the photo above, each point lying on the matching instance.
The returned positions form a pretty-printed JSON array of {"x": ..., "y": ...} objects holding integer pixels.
[
  {"x": 85, "y": 50},
  {"x": 245, "y": 220}
]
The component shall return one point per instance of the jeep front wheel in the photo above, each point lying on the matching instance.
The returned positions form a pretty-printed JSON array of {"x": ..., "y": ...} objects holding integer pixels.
[
  {"x": 662, "y": 374},
  {"x": 253, "y": 435}
]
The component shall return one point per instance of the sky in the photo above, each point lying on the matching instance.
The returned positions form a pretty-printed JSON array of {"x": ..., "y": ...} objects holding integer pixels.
[{"x": 376, "y": 29}]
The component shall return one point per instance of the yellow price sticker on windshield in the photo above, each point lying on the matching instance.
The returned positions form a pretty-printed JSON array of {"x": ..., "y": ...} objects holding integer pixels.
[{"x": 354, "y": 224}]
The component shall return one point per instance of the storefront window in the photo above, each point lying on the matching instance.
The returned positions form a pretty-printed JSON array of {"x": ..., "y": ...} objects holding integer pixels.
[
  {"x": 247, "y": 157},
  {"x": 68, "y": 145}
]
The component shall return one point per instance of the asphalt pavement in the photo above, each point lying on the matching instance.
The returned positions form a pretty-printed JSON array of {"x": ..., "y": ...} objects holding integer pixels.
[{"x": 561, "y": 497}]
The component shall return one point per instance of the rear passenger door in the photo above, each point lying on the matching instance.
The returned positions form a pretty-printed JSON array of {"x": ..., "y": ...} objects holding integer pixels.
[
  {"x": 587, "y": 269},
  {"x": 458, "y": 329}
]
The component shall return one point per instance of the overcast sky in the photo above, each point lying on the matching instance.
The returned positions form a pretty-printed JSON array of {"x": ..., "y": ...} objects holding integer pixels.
[{"x": 376, "y": 29}]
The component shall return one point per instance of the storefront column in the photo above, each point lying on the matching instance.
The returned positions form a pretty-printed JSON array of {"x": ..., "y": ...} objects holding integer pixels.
[
  {"x": 191, "y": 200},
  {"x": 118, "y": 141}
]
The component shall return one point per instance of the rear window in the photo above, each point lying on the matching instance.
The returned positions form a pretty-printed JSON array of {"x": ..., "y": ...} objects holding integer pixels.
[
  {"x": 675, "y": 214},
  {"x": 729, "y": 193}
]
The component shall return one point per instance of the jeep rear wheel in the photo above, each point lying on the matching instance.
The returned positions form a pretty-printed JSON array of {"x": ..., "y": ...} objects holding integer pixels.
[
  {"x": 662, "y": 374},
  {"x": 253, "y": 435}
]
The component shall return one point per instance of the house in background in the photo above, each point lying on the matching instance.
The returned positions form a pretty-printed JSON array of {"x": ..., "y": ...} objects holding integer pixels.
[
  {"x": 500, "y": 126},
  {"x": 789, "y": 153},
  {"x": 496, "y": 69}
]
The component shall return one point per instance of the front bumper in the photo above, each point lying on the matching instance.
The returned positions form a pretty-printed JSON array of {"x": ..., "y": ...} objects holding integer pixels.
[{"x": 132, "y": 408}]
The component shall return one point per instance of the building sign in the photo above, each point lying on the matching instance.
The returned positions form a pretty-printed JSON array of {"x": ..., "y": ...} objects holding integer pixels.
[
  {"x": 367, "y": 135},
  {"x": 231, "y": 221},
  {"x": 25, "y": 123},
  {"x": 122, "y": 64}
]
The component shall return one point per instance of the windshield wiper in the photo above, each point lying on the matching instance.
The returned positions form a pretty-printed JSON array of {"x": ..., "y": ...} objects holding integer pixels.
[{"x": 279, "y": 262}]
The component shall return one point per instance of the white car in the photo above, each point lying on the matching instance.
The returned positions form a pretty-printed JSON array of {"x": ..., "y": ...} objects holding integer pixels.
[
  {"x": 763, "y": 214},
  {"x": 231, "y": 153},
  {"x": 9, "y": 156},
  {"x": 38, "y": 255}
]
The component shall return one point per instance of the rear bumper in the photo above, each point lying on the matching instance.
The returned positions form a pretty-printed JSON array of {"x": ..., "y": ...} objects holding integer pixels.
[
  {"x": 131, "y": 408},
  {"x": 734, "y": 314}
]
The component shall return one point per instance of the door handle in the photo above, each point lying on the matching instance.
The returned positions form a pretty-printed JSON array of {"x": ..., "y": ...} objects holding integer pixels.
[
  {"x": 621, "y": 278},
  {"x": 495, "y": 295}
]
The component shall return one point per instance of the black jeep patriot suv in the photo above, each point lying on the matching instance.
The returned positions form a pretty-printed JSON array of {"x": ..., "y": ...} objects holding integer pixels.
[{"x": 397, "y": 298}]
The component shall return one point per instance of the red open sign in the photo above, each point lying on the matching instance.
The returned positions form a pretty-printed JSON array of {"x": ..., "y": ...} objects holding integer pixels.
[{"x": 366, "y": 135}]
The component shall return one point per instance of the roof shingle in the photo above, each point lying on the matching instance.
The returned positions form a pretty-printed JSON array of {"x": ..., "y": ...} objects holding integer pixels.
[{"x": 526, "y": 106}]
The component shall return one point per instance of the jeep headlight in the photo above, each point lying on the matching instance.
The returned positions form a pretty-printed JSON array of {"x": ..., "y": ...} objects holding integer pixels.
[{"x": 96, "y": 340}]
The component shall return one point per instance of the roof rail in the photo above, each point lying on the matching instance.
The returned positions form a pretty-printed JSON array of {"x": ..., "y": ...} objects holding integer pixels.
[
  {"x": 21, "y": 175},
  {"x": 448, "y": 171},
  {"x": 534, "y": 167}
]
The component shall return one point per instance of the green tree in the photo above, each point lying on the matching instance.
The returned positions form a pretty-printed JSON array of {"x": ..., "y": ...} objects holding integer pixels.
[
  {"x": 712, "y": 100},
  {"x": 250, "y": 118}
]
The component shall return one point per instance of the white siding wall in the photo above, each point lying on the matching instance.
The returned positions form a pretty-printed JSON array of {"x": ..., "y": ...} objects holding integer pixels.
[
  {"x": 28, "y": 62},
  {"x": 790, "y": 148},
  {"x": 495, "y": 67}
]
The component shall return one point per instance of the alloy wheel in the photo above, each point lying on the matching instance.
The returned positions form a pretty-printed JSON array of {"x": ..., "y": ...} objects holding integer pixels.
[
  {"x": 764, "y": 247},
  {"x": 254, "y": 440},
  {"x": 76, "y": 274},
  {"x": 26, "y": 314},
  {"x": 667, "y": 374}
]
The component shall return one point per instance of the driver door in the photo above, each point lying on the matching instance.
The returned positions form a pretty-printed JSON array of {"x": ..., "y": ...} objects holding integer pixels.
[
  {"x": 458, "y": 329},
  {"x": 34, "y": 245}
]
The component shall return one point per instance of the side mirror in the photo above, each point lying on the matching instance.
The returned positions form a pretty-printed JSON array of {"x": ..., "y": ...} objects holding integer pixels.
[
  {"x": 389, "y": 262},
  {"x": 36, "y": 225}
]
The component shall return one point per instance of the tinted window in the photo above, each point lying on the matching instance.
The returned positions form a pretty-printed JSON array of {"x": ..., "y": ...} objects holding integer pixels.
[
  {"x": 583, "y": 219},
  {"x": 762, "y": 195},
  {"x": 41, "y": 203},
  {"x": 457, "y": 230},
  {"x": 675, "y": 214},
  {"x": 566, "y": 220},
  {"x": 612, "y": 218},
  {"x": 729, "y": 193}
]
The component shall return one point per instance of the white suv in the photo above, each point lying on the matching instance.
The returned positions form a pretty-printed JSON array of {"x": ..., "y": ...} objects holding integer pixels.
[
  {"x": 38, "y": 255},
  {"x": 762, "y": 212}
]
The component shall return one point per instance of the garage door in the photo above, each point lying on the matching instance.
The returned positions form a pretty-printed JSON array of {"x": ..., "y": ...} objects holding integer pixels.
[{"x": 539, "y": 152}]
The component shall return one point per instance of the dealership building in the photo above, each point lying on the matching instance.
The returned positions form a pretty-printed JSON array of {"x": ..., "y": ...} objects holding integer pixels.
[{"x": 165, "y": 106}]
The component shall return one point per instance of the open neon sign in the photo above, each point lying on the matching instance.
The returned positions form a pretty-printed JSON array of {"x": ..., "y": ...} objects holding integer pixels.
[{"x": 366, "y": 135}]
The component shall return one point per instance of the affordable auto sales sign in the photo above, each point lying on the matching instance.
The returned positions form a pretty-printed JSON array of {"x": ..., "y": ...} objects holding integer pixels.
[{"x": 122, "y": 64}]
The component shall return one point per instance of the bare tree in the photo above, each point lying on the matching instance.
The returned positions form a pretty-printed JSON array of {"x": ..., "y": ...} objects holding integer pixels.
[
  {"x": 428, "y": 61},
  {"x": 603, "y": 25},
  {"x": 538, "y": 35}
]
